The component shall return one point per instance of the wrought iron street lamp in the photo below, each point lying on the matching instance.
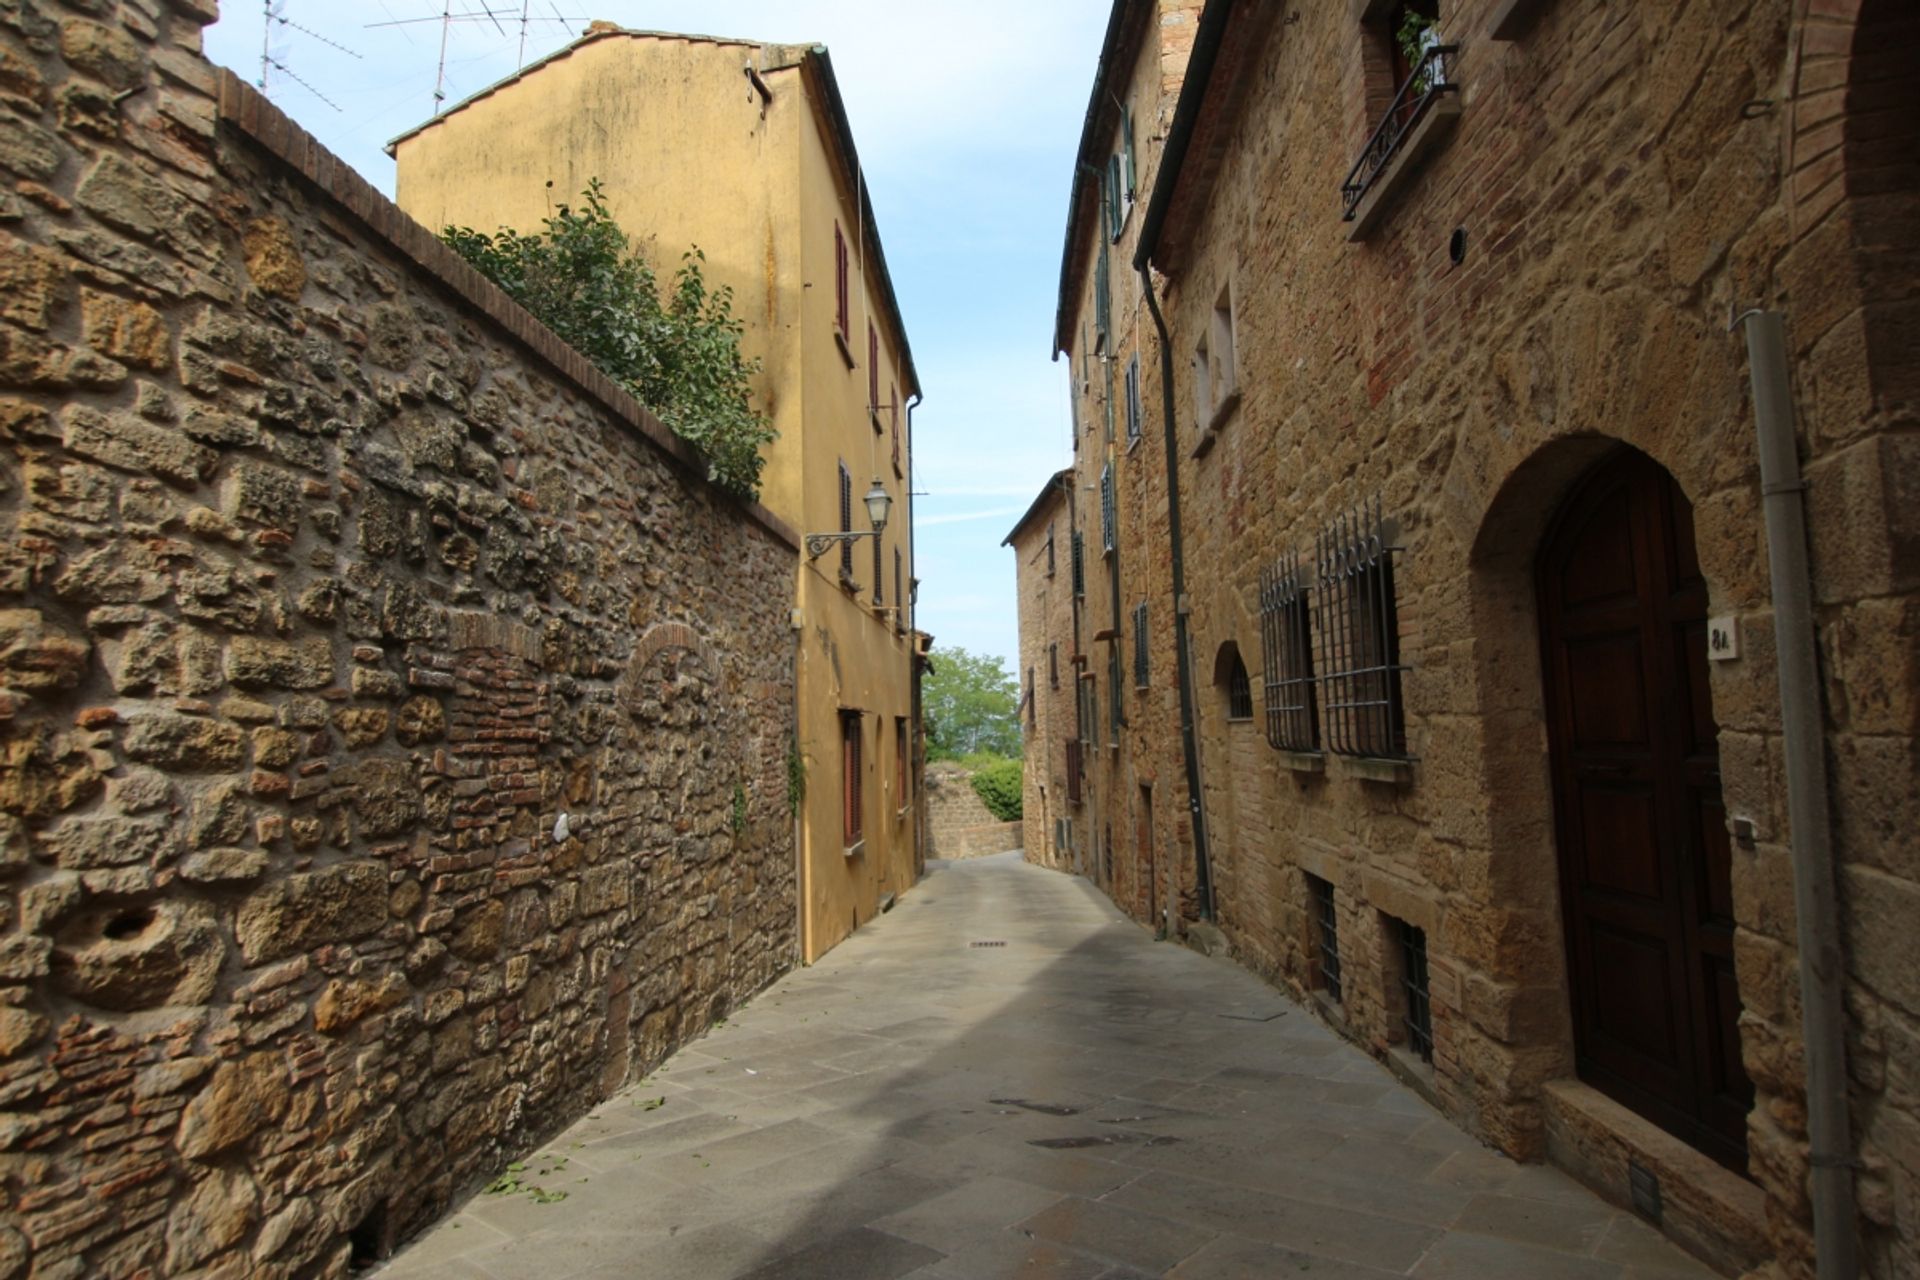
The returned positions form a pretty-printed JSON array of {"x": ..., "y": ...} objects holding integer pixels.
[{"x": 879, "y": 503}]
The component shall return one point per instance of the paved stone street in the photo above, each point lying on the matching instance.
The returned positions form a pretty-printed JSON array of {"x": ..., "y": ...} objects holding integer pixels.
[{"x": 1072, "y": 1101}]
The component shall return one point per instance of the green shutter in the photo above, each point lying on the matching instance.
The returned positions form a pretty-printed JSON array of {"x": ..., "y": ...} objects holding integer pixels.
[{"x": 1126, "y": 140}]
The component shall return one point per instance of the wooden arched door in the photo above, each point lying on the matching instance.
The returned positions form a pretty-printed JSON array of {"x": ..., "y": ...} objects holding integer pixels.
[{"x": 1645, "y": 881}]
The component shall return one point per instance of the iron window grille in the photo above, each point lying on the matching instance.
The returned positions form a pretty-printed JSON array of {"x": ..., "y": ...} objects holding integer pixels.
[
  {"x": 1360, "y": 638},
  {"x": 1079, "y": 565},
  {"x": 1286, "y": 641},
  {"x": 1107, "y": 514},
  {"x": 1134, "y": 412},
  {"x": 1430, "y": 80},
  {"x": 1326, "y": 920},
  {"x": 1413, "y": 965},
  {"x": 1239, "y": 691},
  {"x": 1140, "y": 645}
]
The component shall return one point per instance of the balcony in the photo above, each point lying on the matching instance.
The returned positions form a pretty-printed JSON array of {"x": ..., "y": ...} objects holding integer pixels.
[{"x": 1424, "y": 110}]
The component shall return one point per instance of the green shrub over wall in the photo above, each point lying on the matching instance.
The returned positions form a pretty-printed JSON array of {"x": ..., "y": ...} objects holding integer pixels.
[{"x": 999, "y": 785}]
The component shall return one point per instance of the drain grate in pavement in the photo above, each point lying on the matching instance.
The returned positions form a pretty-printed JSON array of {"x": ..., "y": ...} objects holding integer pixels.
[{"x": 986, "y": 944}]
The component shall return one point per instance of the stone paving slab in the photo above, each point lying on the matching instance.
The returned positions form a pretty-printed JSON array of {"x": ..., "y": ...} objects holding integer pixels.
[{"x": 1081, "y": 1103}]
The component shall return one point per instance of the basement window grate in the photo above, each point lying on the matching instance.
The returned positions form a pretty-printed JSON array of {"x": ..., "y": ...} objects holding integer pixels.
[
  {"x": 987, "y": 944},
  {"x": 1419, "y": 1016},
  {"x": 1327, "y": 927}
]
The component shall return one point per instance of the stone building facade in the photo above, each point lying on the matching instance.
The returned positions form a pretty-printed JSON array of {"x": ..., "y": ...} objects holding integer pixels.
[
  {"x": 1487, "y": 732},
  {"x": 393, "y": 719},
  {"x": 1048, "y": 565}
]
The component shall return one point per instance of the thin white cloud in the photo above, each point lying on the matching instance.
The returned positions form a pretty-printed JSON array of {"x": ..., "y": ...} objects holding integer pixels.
[{"x": 921, "y": 522}]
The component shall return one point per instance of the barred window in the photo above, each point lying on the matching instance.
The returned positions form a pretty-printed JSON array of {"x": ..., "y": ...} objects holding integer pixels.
[
  {"x": 1326, "y": 926},
  {"x": 1079, "y": 564},
  {"x": 1293, "y": 713},
  {"x": 1413, "y": 977},
  {"x": 1134, "y": 413},
  {"x": 1360, "y": 638},
  {"x": 1140, "y": 645},
  {"x": 1230, "y": 677},
  {"x": 1107, "y": 514}
]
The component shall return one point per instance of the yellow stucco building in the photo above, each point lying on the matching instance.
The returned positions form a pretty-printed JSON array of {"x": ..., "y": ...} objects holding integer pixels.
[{"x": 744, "y": 149}]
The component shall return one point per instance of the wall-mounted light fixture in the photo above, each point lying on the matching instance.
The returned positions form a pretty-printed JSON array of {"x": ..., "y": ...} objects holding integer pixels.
[{"x": 879, "y": 503}]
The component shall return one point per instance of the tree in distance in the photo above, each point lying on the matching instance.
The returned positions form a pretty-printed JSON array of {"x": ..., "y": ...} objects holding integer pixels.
[{"x": 971, "y": 705}]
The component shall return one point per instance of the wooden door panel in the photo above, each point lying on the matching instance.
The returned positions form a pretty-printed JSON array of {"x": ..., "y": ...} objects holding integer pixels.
[
  {"x": 1645, "y": 862},
  {"x": 1620, "y": 835},
  {"x": 1606, "y": 684},
  {"x": 1634, "y": 1007}
]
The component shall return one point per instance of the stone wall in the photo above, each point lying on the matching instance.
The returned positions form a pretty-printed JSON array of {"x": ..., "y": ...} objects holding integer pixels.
[
  {"x": 1623, "y": 178},
  {"x": 330, "y": 584},
  {"x": 959, "y": 824}
]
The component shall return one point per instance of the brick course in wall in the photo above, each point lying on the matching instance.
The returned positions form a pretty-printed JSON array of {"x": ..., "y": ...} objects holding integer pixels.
[{"x": 330, "y": 583}]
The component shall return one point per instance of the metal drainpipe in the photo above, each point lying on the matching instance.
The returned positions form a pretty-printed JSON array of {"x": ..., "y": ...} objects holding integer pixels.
[
  {"x": 1822, "y": 971},
  {"x": 1182, "y": 659},
  {"x": 916, "y": 773}
]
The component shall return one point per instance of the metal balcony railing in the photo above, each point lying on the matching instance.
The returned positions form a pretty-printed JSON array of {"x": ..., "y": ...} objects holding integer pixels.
[{"x": 1430, "y": 80}]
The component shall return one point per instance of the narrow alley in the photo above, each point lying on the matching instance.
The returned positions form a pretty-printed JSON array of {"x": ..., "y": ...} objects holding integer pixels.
[{"x": 1005, "y": 1078}]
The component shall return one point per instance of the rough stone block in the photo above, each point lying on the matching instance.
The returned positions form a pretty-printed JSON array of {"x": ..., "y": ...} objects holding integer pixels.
[
  {"x": 126, "y": 441},
  {"x": 289, "y": 916}
]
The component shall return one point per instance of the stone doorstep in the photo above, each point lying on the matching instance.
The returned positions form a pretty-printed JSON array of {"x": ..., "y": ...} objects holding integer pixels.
[{"x": 1708, "y": 1210}]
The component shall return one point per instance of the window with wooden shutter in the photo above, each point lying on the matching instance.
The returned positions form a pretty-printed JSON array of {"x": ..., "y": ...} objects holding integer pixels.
[
  {"x": 1115, "y": 194},
  {"x": 1140, "y": 645},
  {"x": 846, "y": 521},
  {"x": 893, "y": 417},
  {"x": 1079, "y": 564},
  {"x": 1135, "y": 415},
  {"x": 852, "y": 828},
  {"x": 840, "y": 293},
  {"x": 1107, "y": 513},
  {"x": 1132, "y": 174},
  {"x": 1102, "y": 303}
]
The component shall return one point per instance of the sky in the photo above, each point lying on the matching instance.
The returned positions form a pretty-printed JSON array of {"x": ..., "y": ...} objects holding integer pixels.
[{"x": 967, "y": 116}]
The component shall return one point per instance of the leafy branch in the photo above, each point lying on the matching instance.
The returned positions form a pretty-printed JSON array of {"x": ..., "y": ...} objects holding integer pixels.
[{"x": 679, "y": 356}]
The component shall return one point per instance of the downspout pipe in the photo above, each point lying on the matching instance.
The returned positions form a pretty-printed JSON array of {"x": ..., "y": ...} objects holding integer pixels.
[
  {"x": 1182, "y": 657},
  {"x": 1816, "y": 910}
]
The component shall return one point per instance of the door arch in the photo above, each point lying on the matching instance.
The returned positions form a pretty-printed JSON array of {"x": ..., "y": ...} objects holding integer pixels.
[{"x": 1639, "y": 824}]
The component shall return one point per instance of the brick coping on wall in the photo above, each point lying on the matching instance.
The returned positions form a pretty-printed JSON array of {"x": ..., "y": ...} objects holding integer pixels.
[{"x": 257, "y": 118}]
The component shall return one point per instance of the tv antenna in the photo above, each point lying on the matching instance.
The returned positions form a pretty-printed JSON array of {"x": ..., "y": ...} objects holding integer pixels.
[
  {"x": 273, "y": 57},
  {"x": 447, "y": 17}
]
